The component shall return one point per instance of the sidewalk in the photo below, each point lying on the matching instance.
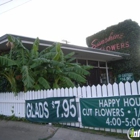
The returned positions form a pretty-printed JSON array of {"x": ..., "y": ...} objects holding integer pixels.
[
  {"x": 13, "y": 130},
  {"x": 67, "y": 134}
]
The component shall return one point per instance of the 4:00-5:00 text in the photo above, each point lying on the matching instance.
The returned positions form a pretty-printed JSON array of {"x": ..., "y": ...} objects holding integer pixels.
[{"x": 118, "y": 122}]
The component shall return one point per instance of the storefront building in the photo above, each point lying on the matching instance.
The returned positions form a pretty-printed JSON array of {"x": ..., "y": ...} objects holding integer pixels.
[
  {"x": 108, "y": 51},
  {"x": 125, "y": 38},
  {"x": 100, "y": 74}
]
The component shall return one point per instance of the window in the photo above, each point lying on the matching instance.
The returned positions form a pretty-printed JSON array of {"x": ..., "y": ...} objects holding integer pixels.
[
  {"x": 82, "y": 62},
  {"x": 93, "y": 63},
  {"x": 102, "y": 64}
]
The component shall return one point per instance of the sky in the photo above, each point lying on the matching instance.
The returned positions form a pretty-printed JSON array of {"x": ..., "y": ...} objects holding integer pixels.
[{"x": 58, "y": 20}]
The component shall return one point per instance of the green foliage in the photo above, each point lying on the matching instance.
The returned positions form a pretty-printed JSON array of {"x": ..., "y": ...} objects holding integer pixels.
[
  {"x": 131, "y": 63},
  {"x": 131, "y": 33},
  {"x": 42, "y": 81},
  {"x": 31, "y": 69},
  {"x": 27, "y": 77},
  {"x": 7, "y": 61}
]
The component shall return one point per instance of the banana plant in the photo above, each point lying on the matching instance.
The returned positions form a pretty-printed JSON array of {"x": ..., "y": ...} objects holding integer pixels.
[
  {"x": 18, "y": 63},
  {"x": 35, "y": 70},
  {"x": 64, "y": 72}
]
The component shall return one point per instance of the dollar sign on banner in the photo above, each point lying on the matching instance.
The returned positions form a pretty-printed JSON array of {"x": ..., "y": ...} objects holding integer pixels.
[{"x": 53, "y": 104}]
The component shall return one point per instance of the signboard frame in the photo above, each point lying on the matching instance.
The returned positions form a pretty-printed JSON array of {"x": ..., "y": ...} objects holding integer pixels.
[
  {"x": 125, "y": 77},
  {"x": 54, "y": 109},
  {"x": 120, "y": 112}
]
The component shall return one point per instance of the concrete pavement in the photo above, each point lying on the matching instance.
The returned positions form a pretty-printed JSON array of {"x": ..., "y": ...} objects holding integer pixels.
[
  {"x": 67, "y": 134},
  {"x": 14, "y": 130}
]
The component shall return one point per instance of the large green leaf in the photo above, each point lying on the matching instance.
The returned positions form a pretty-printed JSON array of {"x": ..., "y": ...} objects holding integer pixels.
[
  {"x": 10, "y": 77},
  {"x": 71, "y": 59},
  {"x": 22, "y": 59},
  {"x": 26, "y": 77},
  {"x": 18, "y": 44},
  {"x": 34, "y": 51},
  {"x": 47, "y": 50},
  {"x": 48, "y": 55},
  {"x": 76, "y": 77},
  {"x": 37, "y": 62},
  {"x": 77, "y": 69},
  {"x": 57, "y": 63},
  {"x": 42, "y": 81},
  {"x": 68, "y": 56},
  {"x": 59, "y": 54},
  {"x": 87, "y": 67},
  {"x": 4, "y": 61},
  {"x": 80, "y": 70},
  {"x": 11, "y": 38},
  {"x": 56, "y": 85},
  {"x": 66, "y": 82}
]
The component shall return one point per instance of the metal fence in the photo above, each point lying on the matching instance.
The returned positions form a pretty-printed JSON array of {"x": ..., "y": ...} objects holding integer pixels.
[{"x": 15, "y": 105}]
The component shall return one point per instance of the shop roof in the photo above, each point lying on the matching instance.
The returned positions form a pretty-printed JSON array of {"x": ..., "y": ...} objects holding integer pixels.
[{"x": 80, "y": 51}]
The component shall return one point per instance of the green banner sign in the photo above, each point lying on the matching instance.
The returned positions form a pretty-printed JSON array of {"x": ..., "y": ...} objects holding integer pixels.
[
  {"x": 111, "y": 112},
  {"x": 125, "y": 77},
  {"x": 57, "y": 109}
]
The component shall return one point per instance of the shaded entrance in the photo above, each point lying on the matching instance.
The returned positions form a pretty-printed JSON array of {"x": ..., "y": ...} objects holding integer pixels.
[{"x": 94, "y": 77}]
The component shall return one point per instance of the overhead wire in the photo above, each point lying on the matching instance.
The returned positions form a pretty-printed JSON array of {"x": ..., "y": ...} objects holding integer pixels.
[
  {"x": 6, "y": 2},
  {"x": 13, "y": 7}
]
